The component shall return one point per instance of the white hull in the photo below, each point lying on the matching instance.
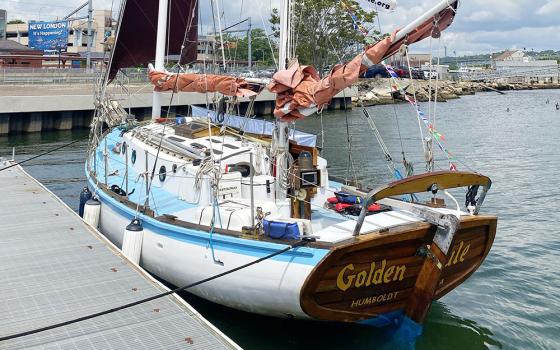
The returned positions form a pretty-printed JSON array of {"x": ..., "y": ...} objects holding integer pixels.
[{"x": 271, "y": 287}]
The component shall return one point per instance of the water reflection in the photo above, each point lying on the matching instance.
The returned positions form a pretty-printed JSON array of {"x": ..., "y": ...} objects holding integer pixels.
[{"x": 444, "y": 330}]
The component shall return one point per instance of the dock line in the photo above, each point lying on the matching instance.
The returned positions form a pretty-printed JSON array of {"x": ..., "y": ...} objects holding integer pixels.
[
  {"x": 302, "y": 243},
  {"x": 43, "y": 154}
]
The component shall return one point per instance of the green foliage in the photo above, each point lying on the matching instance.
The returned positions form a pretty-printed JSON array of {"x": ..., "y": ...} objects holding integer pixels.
[
  {"x": 325, "y": 33},
  {"x": 16, "y": 21},
  {"x": 260, "y": 48}
]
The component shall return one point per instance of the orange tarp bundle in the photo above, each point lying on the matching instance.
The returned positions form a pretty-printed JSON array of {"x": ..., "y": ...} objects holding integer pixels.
[
  {"x": 191, "y": 82},
  {"x": 299, "y": 87}
]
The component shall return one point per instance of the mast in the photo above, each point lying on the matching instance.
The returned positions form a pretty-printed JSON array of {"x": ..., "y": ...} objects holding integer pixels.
[
  {"x": 160, "y": 53},
  {"x": 89, "y": 34},
  {"x": 249, "y": 53},
  {"x": 282, "y": 126}
]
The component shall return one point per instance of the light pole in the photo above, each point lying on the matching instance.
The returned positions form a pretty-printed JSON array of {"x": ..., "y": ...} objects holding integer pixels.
[
  {"x": 41, "y": 9},
  {"x": 262, "y": 58}
]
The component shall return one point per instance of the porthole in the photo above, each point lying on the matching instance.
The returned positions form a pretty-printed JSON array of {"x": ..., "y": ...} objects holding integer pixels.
[
  {"x": 174, "y": 168},
  {"x": 162, "y": 173},
  {"x": 123, "y": 148},
  {"x": 133, "y": 156}
]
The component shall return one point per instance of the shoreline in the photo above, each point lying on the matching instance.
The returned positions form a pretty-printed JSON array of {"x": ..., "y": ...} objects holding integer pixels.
[{"x": 373, "y": 92}]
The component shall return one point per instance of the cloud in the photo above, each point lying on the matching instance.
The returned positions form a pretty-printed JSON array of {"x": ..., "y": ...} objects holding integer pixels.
[
  {"x": 552, "y": 7},
  {"x": 481, "y": 16},
  {"x": 481, "y": 26}
]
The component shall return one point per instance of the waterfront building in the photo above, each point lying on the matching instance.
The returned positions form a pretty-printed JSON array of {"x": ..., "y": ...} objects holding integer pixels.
[
  {"x": 3, "y": 20},
  {"x": 16, "y": 55},
  {"x": 103, "y": 28}
]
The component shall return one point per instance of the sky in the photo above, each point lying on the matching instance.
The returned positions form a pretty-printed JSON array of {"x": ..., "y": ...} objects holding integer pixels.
[{"x": 481, "y": 26}]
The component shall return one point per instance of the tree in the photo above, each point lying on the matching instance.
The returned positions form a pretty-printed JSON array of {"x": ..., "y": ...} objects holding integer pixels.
[
  {"x": 325, "y": 32},
  {"x": 16, "y": 21},
  {"x": 260, "y": 48}
]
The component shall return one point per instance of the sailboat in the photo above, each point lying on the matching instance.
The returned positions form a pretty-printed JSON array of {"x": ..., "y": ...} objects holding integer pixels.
[{"x": 192, "y": 196}]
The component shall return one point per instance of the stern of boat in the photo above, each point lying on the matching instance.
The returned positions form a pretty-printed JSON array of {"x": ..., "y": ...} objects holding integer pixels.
[{"x": 375, "y": 276}]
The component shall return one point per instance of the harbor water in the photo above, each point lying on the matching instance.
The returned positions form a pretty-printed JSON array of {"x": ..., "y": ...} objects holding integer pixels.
[{"x": 511, "y": 302}]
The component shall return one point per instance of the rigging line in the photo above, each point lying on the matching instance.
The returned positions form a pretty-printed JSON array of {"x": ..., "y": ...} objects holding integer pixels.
[
  {"x": 161, "y": 137},
  {"x": 220, "y": 32},
  {"x": 415, "y": 100},
  {"x": 272, "y": 52},
  {"x": 305, "y": 241},
  {"x": 437, "y": 83},
  {"x": 44, "y": 153},
  {"x": 430, "y": 82}
]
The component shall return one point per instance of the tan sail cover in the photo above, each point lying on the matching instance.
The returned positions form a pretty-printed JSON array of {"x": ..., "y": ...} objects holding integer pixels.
[
  {"x": 299, "y": 88},
  {"x": 202, "y": 83}
]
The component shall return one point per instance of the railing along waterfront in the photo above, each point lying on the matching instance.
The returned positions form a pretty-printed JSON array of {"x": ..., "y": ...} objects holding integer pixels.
[{"x": 63, "y": 76}]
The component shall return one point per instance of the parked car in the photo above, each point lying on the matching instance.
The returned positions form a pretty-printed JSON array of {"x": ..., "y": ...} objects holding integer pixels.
[
  {"x": 412, "y": 71},
  {"x": 430, "y": 74},
  {"x": 376, "y": 71},
  {"x": 379, "y": 71}
]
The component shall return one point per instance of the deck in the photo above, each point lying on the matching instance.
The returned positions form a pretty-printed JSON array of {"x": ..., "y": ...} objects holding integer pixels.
[{"x": 55, "y": 268}]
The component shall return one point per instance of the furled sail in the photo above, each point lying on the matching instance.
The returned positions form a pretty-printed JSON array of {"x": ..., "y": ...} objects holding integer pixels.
[
  {"x": 136, "y": 34},
  {"x": 300, "y": 90},
  {"x": 202, "y": 83}
]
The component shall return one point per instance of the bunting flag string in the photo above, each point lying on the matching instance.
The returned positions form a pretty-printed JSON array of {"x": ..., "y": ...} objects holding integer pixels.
[
  {"x": 357, "y": 24},
  {"x": 437, "y": 136}
]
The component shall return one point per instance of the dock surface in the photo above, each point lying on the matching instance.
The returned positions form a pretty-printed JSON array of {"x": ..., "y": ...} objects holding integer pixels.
[{"x": 55, "y": 268}]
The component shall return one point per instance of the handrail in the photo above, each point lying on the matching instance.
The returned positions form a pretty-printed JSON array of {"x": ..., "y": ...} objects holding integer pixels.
[{"x": 434, "y": 181}]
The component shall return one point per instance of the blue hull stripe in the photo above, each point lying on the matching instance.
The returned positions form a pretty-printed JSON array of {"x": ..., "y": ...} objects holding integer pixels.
[{"x": 302, "y": 255}]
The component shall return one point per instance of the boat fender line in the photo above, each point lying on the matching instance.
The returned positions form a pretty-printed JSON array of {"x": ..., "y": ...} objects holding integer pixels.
[
  {"x": 92, "y": 212},
  {"x": 118, "y": 190},
  {"x": 132, "y": 240},
  {"x": 85, "y": 195},
  {"x": 305, "y": 241}
]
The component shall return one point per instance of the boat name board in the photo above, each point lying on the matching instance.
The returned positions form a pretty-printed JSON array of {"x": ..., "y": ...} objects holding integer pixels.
[
  {"x": 376, "y": 299},
  {"x": 458, "y": 254},
  {"x": 365, "y": 278}
]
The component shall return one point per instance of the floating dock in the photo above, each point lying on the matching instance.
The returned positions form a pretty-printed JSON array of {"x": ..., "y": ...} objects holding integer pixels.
[{"x": 55, "y": 268}]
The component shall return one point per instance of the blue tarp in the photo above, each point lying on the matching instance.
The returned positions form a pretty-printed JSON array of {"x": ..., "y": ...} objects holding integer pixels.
[{"x": 254, "y": 126}]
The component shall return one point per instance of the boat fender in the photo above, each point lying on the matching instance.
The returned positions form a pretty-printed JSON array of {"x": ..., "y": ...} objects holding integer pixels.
[
  {"x": 132, "y": 240},
  {"x": 85, "y": 195},
  {"x": 92, "y": 212},
  {"x": 118, "y": 190}
]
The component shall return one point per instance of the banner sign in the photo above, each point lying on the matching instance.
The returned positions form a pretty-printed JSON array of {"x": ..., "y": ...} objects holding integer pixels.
[
  {"x": 48, "y": 35},
  {"x": 385, "y": 5}
]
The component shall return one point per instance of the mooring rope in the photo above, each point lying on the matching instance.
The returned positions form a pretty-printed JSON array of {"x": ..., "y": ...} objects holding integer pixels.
[
  {"x": 43, "y": 154},
  {"x": 301, "y": 243}
]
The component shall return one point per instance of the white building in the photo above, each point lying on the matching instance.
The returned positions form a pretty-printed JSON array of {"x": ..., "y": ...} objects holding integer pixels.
[
  {"x": 3, "y": 19},
  {"x": 103, "y": 27}
]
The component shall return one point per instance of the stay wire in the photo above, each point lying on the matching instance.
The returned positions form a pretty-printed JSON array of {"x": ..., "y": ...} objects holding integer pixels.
[
  {"x": 157, "y": 296},
  {"x": 43, "y": 154}
]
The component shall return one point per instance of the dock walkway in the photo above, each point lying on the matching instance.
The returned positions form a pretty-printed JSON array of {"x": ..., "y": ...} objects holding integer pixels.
[{"x": 54, "y": 268}]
